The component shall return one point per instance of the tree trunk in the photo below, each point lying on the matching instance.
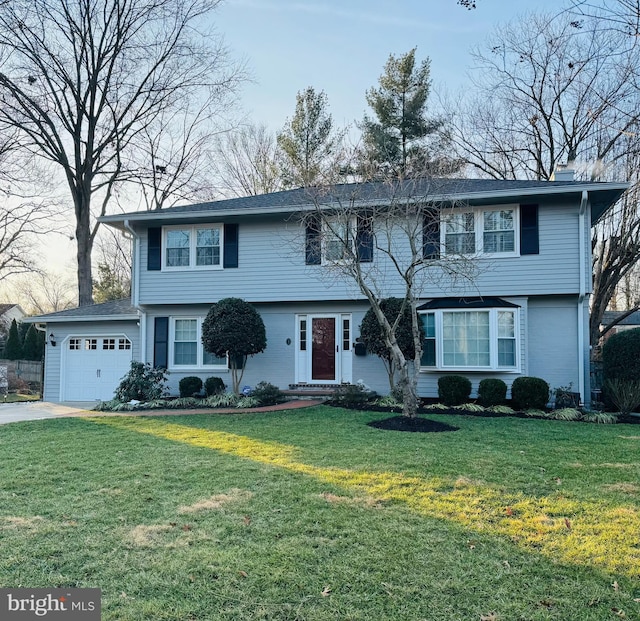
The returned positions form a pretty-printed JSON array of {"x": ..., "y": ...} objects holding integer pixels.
[{"x": 84, "y": 241}]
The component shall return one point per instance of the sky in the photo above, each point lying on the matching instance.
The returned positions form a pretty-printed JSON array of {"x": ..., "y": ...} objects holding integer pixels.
[{"x": 341, "y": 47}]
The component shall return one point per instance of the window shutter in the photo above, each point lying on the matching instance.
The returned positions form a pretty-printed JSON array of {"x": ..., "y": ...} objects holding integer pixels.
[
  {"x": 431, "y": 235},
  {"x": 529, "y": 234},
  {"x": 161, "y": 342},
  {"x": 364, "y": 238},
  {"x": 230, "y": 252},
  {"x": 154, "y": 248},
  {"x": 313, "y": 254}
]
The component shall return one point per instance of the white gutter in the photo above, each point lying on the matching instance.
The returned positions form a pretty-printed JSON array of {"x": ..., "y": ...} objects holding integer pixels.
[
  {"x": 582, "y": 294},
  {"x": 135, "y": 291}
]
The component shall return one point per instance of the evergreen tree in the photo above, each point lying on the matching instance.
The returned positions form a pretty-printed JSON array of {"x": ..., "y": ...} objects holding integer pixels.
[
  {"x": 33, "y": 347},
  {"x": 110, "y": 285},
  {"x": 13, "y": 348},
  {"x": 401, "y": 141},
  {"x": 309, "y": 146}
]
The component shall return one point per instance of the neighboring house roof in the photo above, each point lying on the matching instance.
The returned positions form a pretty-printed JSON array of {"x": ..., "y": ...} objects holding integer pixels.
[
  {"x": 116, "y": 310},
  {"x": 631, "y": 320},
  {"x": 6, "y": 307},
  {"x": 477, "y": 191}
]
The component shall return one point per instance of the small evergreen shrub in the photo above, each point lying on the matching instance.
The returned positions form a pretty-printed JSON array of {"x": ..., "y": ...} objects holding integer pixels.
[
  {"x": 143, "y": 382},
  {"x": 267, "y": 394},
  {"x": 454, "y": 389},
  {"x": 530, "y": 393},
  {"x": 625, "y": 394},
  {"x": 190, "y": 386},
  {"x": 492, "y": 391},
  {"x": 621, "y": 356},
  {"x": 213, "y": 386},
  {"x": 350, "y": 395}
]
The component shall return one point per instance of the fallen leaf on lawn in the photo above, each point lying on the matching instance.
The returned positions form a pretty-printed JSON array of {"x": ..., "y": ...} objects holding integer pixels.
[
  {"x": 619, "y": 612},
  {"x": 246, "y": 520},
  {"x": 472, "y": 545},
  {"x": 326, "y": 591},
  {"x": 637, "y": 599},
  {"x": 616, "y": 586},
  {"x": 567, "y": 523},
  {"x": 186, "y": 527},
  {"x": 506, "y": 564},
  {"x": 558, "y": 481},
  {"x": 244, "y": 574},
  {"x": 547, "y": 603},
  {"x": 192, "y": 578},
  {"x": 509, "y": 511},
  {"x": 492, "y": 616}
]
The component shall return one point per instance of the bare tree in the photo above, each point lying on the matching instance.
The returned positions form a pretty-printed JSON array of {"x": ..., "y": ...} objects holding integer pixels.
[
  {"x": 46, "y": 292},
  {"x": 81, "y": 80},
  {"x": 246, "y": 161},
  {"x": 552, "y": 90},
  {"x": 345, "y": 235},
  {"x": 114, "y": 266},
  {"x": 620, "y": 15}
]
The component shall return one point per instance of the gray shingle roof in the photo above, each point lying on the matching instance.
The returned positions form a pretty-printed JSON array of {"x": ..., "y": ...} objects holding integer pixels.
[
  {"x": 631, "y": 320},
  {"x": 116, "y": 309}
]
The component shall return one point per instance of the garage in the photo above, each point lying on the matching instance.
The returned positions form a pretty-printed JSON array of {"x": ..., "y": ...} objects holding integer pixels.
[{"x": 92, "y": 366}]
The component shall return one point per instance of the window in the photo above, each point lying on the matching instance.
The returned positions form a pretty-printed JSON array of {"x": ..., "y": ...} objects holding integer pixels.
[
  {"x": 346, "y": 334},
  {"x": 303, "y": 335},
  {"x": 193, "y": 247},
  {"x": 108, "y": 343},
  {"x": 124, "y": 344},
  {"x": 74, "y": 344},
  {"x": 338, "y": 241},
  {"x": 91, "y": 344},
  {"x": 186, "y": 345},
  {"x": 487, "y": 231},
  {"x": 470, "y": 339}
]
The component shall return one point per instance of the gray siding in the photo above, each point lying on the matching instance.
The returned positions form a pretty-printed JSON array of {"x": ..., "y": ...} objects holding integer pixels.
[
  {"x": 271, "y": 268},
  {"x": 63, "y": 331}
]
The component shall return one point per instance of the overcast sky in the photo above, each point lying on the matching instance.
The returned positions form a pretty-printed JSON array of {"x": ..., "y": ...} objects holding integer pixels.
[{"x": 341, "y": 46}]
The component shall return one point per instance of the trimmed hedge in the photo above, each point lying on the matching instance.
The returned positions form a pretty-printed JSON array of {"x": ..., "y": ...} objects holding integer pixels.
[
  {"x": 213, "y": 386},
  {"x": 621, "y": 356},
  {"x": 454, "y": 389},
  {"x": 492, "y": 391},
  {"x": 530, "y": 393},
  {"x": 189, "y": 386}
]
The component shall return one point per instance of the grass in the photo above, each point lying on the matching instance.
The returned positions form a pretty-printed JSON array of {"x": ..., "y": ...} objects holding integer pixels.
[
  {"x": 15, "y": 397},
  {"x": 311, "y": 515}
]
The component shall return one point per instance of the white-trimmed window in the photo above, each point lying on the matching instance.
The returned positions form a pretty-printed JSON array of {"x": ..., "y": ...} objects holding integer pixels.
[
  {"x": 186, "y": 350},
  {"x": 482, "y": 231},
  {"x": 194, "y": 247},
  {"x": 482, "y": 339}
]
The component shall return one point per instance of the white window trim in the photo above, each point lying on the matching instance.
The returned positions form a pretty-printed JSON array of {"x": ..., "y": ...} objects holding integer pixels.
[
  {"x": 327, "y": 232},
  {"x": 493, "y": 340},
  {"x": 478, "y": 214},
  {"x": 199, "y": 366},
  {"x": 192, "y": 247}
]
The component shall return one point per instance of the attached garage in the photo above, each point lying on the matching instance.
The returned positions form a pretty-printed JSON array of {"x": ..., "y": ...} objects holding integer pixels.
[{"x": 88, "y": 350}]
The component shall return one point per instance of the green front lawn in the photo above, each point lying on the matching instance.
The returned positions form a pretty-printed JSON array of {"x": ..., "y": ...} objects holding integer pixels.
[{"x": 312, "y": 515}]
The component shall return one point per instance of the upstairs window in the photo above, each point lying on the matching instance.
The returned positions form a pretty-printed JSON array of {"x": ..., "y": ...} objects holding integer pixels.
[{"x": 193, "y": 247}]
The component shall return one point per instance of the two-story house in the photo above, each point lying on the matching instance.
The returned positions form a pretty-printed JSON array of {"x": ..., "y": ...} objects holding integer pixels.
[{"x": 525, "y": 312}]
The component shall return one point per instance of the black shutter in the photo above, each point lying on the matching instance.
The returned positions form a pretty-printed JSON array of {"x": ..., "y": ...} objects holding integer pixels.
[
  {"x": 431, "y": 235},
  {"x": 230, "y": 253},
  {"x": 313, "y": 254},
  {"x": 529, "y": 234},
  {"x": 154, "y": 248},
  {"x": 364, "y": 238},
  {"x": 161, "y": 342}
]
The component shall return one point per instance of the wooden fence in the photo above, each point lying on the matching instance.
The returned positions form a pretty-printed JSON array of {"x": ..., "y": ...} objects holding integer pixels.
[{"x": 21, "y": 372}]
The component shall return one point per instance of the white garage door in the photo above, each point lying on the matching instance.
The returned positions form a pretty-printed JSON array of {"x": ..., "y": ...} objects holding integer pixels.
[{"x": 93, "y": 366}]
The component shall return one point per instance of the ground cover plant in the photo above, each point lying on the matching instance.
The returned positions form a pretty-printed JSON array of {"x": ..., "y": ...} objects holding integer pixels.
[{"x": 314, "y": 515}]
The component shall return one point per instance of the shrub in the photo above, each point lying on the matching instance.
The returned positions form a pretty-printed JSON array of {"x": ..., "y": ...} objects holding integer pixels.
[
  {"x": 621, "y": 356},
  {"x": 530, "y": 393},
  {"x": 267, "y": 394},
  {"x": 564, "y": 397},
  {"x": 190, "y": 386},
  {"x": 492, "y": 391},
  {"x": 213, "y": 386},
  {"x": 625, "y": 394},
  {"x": 350, "y": 395},
  {"x": 142, "y": 382},
  {"x": 454, "y": 389}
]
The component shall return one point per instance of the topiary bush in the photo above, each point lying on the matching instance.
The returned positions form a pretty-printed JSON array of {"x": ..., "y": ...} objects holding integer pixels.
[
  {"x": 268, "y": 394},
  {"x": 454, "y": 389},
  {"x": 190, "y": 386},
  {"x": 213, "y": 386},
  {"x": 492, "y": 391},
  {"x": 530, "y": 393},
  {"x": 350, "y": 395},
  {"x": 143, "y": 382}
]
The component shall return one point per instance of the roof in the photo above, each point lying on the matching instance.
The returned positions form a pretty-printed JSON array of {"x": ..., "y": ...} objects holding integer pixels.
[
  {"x": 116, "y": 310},
  {"x": 474, "y": 191},
  {"x": 5, "y": 307},
  {"x": 632, "y": 320},
  {"x": 478, "y": 302}
]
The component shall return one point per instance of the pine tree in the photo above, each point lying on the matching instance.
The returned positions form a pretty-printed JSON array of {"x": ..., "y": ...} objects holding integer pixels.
[
  {"x": 13, "y": 348},
  {"x": 33, "y": 347},
  {"x": 308, "y": 143},
  {"x": 402, "y": 140}
]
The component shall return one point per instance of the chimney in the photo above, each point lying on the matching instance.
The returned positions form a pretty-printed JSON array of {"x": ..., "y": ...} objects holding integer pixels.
[{"x": 563, "y": 172}]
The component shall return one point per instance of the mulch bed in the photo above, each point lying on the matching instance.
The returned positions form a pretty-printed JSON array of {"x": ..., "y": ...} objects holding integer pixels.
[{"x": 417, "y": 424}]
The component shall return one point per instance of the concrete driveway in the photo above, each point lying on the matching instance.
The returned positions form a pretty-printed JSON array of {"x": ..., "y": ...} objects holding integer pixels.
[{"x": 37, "y": 410}]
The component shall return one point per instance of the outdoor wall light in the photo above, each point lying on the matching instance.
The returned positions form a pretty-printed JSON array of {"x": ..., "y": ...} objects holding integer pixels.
[{"x": 52, "y": 340}]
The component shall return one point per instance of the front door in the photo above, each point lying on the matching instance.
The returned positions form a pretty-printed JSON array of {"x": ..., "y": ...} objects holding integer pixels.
[{"x": 323, "y": 349}]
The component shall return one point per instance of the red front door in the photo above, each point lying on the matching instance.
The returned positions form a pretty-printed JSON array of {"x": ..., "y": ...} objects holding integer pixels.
[{"x": 323, "y": 348}]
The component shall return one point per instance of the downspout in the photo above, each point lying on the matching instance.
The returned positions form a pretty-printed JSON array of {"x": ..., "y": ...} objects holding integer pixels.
[
  {"x": 582, "y": 295},
  {"x": 135, "y": 291}
]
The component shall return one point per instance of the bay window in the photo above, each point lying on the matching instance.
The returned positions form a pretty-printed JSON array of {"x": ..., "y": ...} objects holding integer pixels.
[{"x": 470, "y": 339}]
